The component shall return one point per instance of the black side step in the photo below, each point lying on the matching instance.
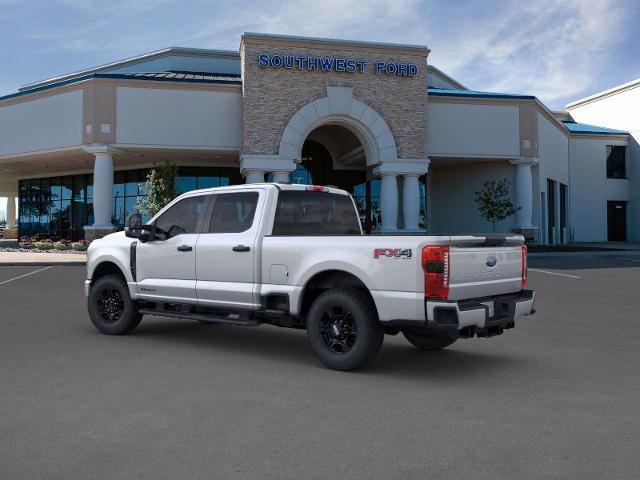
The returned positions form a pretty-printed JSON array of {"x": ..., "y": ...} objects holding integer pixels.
[{"x": 200, "y": 317}]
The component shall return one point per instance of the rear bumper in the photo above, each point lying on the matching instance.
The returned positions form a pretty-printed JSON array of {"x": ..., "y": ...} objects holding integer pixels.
[{"x": 483, "y": 317}]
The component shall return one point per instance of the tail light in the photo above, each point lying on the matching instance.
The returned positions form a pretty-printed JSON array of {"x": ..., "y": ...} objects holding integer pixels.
[
  {"x": 435, "y": 263},
  {"x": 316, "y": 188},
  {"x": 523, "y": 283}
]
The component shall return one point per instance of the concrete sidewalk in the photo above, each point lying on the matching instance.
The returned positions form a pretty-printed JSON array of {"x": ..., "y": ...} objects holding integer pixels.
[{"x": 37, "y": 259}]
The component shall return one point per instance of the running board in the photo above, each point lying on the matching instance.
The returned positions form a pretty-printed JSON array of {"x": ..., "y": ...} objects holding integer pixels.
[{"x": 198, "y": 316}]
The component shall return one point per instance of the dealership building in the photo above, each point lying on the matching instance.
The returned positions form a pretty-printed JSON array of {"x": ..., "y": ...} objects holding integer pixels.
[{"x": 410, "y": 143}]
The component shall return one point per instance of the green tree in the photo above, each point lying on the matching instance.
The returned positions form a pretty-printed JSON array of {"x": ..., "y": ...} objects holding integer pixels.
[
  {"x": 160, "y": 189},
  {"x": 494, "y": 201}
]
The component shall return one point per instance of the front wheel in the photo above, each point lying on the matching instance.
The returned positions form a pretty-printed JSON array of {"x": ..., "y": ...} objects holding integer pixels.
[
  {"x": 343, "y": 329},
  {"x": 425, "y": 341},
  {"x": 110, "y": 307}
]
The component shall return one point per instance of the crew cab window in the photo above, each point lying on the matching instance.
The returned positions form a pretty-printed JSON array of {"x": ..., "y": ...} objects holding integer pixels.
[
  {"x": 233, "y": 212},
  {"x": 182, "y": 217},
  {"x": 315, "y": 213}
]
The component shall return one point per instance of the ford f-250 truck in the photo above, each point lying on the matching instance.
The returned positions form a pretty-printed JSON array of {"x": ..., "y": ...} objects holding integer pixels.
[{"x": 295, "y": 256}]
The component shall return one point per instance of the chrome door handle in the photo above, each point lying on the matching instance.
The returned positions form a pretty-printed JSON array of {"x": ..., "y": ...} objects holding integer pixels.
[
  {"x": 185, "y": 248},
  {"x": 241, "y": 248}
]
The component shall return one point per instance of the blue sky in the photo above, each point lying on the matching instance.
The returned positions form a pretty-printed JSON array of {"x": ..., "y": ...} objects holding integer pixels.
[{"x": 557, "y": 50}]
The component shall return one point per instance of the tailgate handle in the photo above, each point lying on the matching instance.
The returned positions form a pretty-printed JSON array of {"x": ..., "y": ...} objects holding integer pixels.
[{"x": 241, "y": 248}]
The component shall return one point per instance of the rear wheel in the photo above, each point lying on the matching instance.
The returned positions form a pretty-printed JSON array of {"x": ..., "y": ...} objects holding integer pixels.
[
  {"x": 422, "y": 340},
  {"x": 343, "y": 329},
  {"x": 110, "y": 307}
]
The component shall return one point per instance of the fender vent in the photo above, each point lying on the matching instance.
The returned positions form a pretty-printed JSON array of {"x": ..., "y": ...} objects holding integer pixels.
[{"x": 132, "y": 260}]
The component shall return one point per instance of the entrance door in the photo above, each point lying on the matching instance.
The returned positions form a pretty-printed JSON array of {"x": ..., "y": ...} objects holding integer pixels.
[
  {"x": 166, "y": 268},
  {"x": 551, "y": 211},
  {"x": 228, "y": 251},
  {"x": 617, "y": 221}
]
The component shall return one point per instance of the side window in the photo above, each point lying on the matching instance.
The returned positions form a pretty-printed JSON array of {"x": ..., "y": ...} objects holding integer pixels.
[
  {"x": 233, "y": 212},
  {"x": 315, "y": 213},
  {"x": 182, "y": 217}
]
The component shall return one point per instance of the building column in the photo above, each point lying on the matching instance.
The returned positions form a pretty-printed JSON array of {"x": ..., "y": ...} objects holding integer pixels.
[
  {"x": 11, "y": 212},
  {"x": 389, "y": 202},
  {"x": 102, "y": 192},
  {"x": 254, "y": 176},
  {"x": 524, "y": 195},
  {"x": 411, "y": 202},
  {"x": 254, "y": 165},
  {"x": 281, "y": 177}
]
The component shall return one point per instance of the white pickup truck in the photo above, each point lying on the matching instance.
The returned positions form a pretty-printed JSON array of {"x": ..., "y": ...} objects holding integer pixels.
[{"x": 295, "y": 256}]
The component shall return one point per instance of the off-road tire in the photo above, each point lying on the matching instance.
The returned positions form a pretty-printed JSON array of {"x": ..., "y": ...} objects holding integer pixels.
[
  {"x": 110, "y": 307},
  {"x": 360, "y": 334}
]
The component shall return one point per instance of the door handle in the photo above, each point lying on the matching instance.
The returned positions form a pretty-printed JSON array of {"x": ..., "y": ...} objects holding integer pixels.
[
  {"x": 241, "y": 248},
  {"x": 185, "y": 248}
]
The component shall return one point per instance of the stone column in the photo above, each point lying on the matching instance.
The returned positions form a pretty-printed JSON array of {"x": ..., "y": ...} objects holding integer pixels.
[
  {"x": 389, "y": 202},
  {"x": 524, "y": 195},
  {"x": 411, "y": 202},
  {"x": 254, "y": 176},
  {"x": 102, "y": 192},
  {"x": 281, "y": 177},
  {"x": 11, "y": 212}
]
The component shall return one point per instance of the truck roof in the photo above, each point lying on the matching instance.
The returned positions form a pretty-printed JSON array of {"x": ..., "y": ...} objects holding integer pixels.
[{"x": 279, "y": 186}]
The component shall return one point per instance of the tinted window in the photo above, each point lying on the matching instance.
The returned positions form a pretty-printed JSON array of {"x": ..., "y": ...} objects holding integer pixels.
[
  {"x": 315, "y": 213},
  {"x": 182, "y": 217},
  {"x": 616, "y": 162},
  {"x": 233, "y": 212}
]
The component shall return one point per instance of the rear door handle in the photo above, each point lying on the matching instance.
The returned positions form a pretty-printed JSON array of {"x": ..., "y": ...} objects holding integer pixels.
[
  {"x": 241, "y": 248},
  {"x": 185, "y": 248}
]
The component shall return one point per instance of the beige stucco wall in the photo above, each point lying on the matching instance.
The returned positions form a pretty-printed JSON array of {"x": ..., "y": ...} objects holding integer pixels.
[{"x": 272, "y": 96}]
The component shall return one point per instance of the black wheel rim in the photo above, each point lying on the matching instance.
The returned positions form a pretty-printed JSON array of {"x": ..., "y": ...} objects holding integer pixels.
[
  {"x": 110, "y": 305},
  {"x": 338, "y": 329}
]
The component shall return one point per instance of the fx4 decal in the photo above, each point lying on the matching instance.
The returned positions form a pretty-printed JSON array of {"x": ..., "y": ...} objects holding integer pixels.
[{"x": 392, "y": 252}]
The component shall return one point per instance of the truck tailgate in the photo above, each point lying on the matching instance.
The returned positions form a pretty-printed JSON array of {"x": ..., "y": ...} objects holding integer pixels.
[{"x": 484, "y": 271}]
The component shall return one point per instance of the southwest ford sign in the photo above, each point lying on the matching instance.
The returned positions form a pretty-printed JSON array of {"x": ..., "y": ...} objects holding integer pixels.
[{"x": 334, "y": 64}]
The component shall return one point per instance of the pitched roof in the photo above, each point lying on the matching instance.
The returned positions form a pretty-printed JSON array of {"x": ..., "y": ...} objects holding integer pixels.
[
  {"x": 474, "y": 93},
  {"x": 585, "y": 128}
]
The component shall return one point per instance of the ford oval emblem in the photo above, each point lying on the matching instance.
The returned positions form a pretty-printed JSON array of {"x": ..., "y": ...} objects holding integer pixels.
[{"x": 491, "y": 261}]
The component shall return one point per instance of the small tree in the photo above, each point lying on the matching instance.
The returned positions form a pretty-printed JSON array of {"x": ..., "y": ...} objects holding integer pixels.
[
  {"x": 160, "y": 189},
  {"x": 494, "y": 201}
]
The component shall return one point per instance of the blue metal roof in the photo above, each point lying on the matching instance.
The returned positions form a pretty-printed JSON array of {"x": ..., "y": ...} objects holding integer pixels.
[
  {"x": 575, "y": 127},
  {"x": 444, "y": 92},
  {"x": 188, "y": 77}
]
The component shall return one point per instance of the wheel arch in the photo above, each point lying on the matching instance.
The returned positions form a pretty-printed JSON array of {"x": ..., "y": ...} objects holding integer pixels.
[
  {"x": 328, "y": 279},
  {"x": 107, "y": 267}
]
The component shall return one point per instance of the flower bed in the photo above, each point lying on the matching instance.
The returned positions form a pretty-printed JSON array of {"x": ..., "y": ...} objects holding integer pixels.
[{"x": 35, "y": 244}]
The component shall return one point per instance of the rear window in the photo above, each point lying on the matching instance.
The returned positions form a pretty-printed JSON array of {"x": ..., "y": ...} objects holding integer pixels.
[{"x": 315, "y": 213}]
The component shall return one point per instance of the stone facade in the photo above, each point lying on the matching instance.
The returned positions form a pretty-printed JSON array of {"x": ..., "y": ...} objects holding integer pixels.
[{"x": 272, "y": 96}]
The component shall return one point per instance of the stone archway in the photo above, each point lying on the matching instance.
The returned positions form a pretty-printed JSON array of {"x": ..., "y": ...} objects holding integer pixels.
[{"x": 339, "y": 107}]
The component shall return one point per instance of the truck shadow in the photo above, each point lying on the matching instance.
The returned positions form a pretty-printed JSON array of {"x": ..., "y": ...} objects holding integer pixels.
[{"x": 267, "y": 343}]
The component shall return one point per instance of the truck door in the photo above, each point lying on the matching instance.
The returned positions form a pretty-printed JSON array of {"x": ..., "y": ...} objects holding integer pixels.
[
  {"x": 226, "y": 252},
  {"x": 166, "y": 268}
]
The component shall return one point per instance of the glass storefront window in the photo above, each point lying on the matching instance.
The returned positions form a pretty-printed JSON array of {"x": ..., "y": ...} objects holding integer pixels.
[{"x": 60, "y": 207}]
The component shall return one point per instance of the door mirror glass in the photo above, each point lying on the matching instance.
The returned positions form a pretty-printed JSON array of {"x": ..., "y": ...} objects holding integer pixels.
[{"x": 133, "y": 225}]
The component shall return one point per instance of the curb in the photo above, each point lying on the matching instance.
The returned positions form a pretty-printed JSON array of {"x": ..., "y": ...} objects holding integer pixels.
[{"x": 617, "y": 253}]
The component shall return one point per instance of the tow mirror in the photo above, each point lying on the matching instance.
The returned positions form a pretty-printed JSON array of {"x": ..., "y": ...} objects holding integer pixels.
[{"x": 133, "y": 225}]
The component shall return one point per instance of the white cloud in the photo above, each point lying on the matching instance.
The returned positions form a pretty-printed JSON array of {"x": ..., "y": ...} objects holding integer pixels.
[{"x": 545, "y": 48}]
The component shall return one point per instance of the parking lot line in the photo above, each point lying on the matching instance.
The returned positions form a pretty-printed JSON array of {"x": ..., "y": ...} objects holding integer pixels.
[
  {"x": 25, "y": 275},
  {"x": 553, "y": 273}
]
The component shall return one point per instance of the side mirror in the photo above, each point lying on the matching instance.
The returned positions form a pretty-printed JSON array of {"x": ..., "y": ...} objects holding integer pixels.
[{"x": 133, "y": 225}]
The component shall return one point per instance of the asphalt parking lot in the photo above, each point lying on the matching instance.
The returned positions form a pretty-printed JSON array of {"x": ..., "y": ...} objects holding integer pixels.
[{"x": 557, "y": 397}]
